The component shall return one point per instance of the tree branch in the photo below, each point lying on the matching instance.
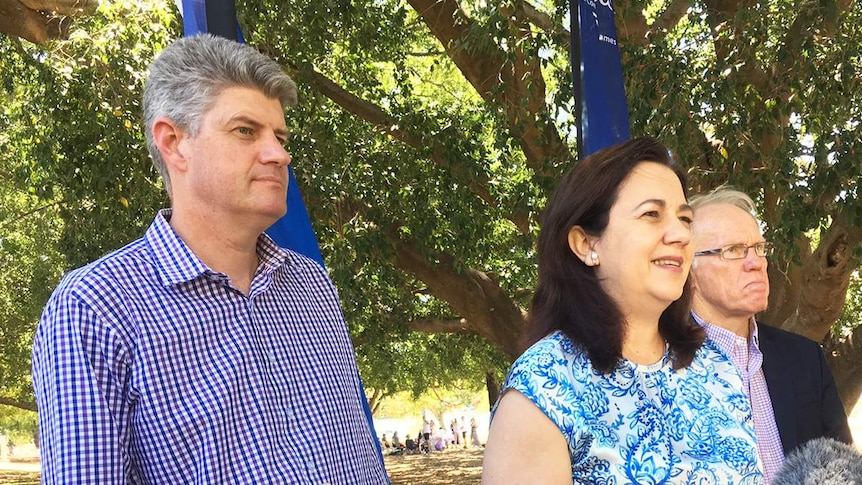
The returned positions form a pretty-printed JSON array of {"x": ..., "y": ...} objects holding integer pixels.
[
  {"x": 484, "y": 307},
  {"x": 383, "y": 122},
  {"x": 721, "y": 15},
  {"x": 812, "y": 19},
  {"x": 386, "y": 124},
  {"x": 376, "y": 399},
  {"x": 40, "y": 20},
  {"x": 671, "y": 15},
  {"x": 25, "y": 405},
  {"x": 632, "y": 25},
  {"x": 440, "y": 325},
  {"x": 511, "y": 81},
  {"x": 8, "y": 222},
  {"x": 19, "y": 21},
  {"x": 62, "y": 7}
]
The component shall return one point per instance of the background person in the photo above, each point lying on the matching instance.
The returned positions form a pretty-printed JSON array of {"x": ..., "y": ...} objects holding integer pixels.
[
  {"x": 616, "y": 387},
  {"x": 792, "y": 391},
  {"x": 474, "y": 433},
  {"x": 203, "y": 352}
]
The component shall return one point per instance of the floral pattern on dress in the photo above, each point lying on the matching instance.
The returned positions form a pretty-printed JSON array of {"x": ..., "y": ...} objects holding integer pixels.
[{"x": 643, "y": 424}]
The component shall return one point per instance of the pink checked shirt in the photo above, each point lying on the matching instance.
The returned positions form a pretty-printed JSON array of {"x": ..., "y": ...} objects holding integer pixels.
[{"x": 745, "y": 354}]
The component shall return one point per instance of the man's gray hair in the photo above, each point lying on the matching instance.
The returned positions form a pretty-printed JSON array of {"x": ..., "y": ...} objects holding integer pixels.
[
  {"x": 724, "y": 194},
  {"x": 187, "y": 76}
]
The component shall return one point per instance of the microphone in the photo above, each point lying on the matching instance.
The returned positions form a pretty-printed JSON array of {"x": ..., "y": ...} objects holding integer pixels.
[{"x": 822, "y": 461}]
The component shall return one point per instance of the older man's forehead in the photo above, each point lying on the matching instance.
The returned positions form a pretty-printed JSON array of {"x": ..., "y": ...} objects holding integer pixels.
[{"x": 724, "y": 221}]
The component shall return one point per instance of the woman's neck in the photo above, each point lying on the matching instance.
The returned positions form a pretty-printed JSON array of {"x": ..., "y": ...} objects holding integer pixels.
[{"x": 642, "y": 343}]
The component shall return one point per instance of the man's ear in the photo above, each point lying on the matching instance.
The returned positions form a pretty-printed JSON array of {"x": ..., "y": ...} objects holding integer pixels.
[
  {"x": 692, "y": 277},
  {"x": 169, "y": 139},
  {"x": 581, "y": 244}
]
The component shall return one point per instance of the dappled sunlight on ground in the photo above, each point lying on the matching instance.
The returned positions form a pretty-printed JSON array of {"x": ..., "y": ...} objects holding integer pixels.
[{"x": 448, "y": 467}]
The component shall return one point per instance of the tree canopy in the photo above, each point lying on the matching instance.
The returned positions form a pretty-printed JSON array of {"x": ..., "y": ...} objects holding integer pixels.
[{"x": 428, "y": 137}]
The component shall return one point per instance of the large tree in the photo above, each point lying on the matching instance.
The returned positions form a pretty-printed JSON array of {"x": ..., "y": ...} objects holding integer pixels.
[{"x": 431, "y": 132}]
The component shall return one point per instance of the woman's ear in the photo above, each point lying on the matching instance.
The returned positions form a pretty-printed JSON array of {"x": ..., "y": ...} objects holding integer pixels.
[{"x": 582, "y": 245}]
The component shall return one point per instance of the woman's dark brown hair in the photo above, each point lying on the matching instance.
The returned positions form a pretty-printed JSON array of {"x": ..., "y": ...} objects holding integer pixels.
[{"x": 568, "y": 295}]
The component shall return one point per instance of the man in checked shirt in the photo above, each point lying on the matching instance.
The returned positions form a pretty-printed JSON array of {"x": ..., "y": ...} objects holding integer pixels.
[
  {"x": 792, "y": 391},
  {"x": 203, "y": 352}
]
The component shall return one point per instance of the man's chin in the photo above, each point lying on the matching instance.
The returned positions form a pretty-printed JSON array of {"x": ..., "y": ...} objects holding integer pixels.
[{"x": 277, "y": 214}]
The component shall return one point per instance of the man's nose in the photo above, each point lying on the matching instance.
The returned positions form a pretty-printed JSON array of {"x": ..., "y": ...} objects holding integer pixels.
[
  {"x": 273, "y": 151},
  {"x": 753, "y": 262}
]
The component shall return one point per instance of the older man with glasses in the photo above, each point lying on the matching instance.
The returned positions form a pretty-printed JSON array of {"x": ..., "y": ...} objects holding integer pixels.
[{"x": 792, "y": 391}]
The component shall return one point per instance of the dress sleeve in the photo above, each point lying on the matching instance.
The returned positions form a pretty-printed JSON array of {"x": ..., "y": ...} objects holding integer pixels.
[
  {"x": 540, "y": 374},
  {"x": 80, "y": 378}
]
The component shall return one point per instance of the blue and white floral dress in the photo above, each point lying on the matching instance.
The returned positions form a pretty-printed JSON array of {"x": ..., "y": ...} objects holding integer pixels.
[{"x": 643, "y": 424}]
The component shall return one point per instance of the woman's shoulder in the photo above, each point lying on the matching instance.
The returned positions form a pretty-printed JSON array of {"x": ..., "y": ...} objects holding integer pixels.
[
  {"x": 551, "y": 362},
  {"x": 555, "y": 349}
]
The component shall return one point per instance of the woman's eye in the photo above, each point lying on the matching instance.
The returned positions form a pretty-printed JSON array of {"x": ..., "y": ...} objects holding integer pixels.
[{"x": 651, "y": 214}]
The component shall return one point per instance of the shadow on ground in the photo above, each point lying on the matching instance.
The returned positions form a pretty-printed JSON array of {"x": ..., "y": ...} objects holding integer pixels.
[
  {"x": 19, "y": 478},
  {"x": 449, "y": 467}
]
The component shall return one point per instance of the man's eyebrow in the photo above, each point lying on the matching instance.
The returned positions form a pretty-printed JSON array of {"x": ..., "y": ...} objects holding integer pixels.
[
  {"x": 282, "y": 132},
  {"x": 244, "y": 119}
]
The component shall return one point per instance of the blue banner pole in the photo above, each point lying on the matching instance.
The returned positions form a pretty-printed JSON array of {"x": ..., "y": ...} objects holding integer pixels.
[{"x": 597, "y": 77}]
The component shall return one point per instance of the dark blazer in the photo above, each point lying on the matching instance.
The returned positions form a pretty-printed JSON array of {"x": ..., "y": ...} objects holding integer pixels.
[{"x": 802, "y": 389}]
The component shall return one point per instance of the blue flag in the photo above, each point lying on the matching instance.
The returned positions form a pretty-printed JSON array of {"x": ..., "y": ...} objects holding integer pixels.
[
  {"x": 293, "y": 231},
  {"x": 600, "y": 96}
]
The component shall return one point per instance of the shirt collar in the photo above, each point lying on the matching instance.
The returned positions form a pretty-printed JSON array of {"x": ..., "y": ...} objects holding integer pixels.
[
  {"x": 177, "y": 263},
  {"x": 725, "y": 338}
]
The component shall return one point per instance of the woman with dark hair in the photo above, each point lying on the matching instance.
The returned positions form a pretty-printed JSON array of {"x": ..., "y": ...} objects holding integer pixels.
[{"x": 618, "y": 385}]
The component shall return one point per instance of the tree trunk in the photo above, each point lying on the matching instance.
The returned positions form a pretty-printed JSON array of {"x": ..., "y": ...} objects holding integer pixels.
[
  {"x": 824, "y": 278},
  {"x": 40, "y": 20},
  {"x": 493, "y": 388},
  {"x": 376, "y": 398},
  {"x": 845, "y": 360},
  {"x": 17, "y": 20}
]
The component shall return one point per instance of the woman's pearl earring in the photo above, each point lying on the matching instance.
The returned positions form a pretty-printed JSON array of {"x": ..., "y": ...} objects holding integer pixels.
[{"x": 594, "y": 256}]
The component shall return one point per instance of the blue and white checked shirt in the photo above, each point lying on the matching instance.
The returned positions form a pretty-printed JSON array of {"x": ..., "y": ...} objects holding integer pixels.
[{"x": 149, "y": 367}]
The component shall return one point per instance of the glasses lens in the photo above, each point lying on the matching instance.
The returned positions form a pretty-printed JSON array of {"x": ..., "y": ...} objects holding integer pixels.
[
  {"x": 763, "y": 249},
  {"x": 737, "y": 251}
]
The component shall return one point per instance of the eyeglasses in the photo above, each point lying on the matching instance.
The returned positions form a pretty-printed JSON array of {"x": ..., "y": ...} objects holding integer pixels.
[{"x": 739, "y": 251}]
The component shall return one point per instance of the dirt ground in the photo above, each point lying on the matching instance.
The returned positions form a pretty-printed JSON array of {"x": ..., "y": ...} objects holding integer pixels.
[
  {"x": 18, "y": 478},
  {"x": 449, "y": 467}
]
